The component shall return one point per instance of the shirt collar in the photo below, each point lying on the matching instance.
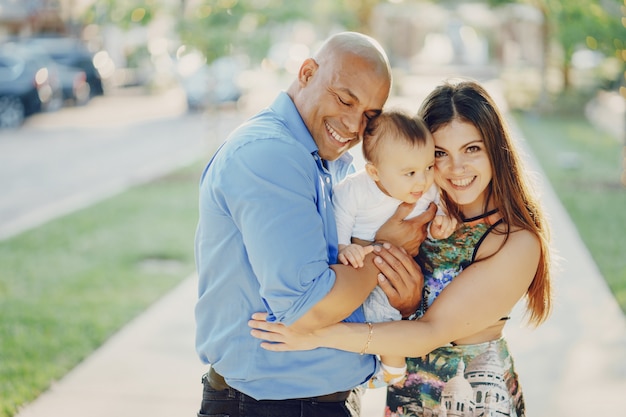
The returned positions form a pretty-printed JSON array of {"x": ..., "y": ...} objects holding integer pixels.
[{"x": 284, "y": 106}]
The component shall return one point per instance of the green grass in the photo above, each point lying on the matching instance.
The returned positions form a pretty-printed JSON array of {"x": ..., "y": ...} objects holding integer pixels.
[
  {"x": 67, "y": 286},
  {"x": 584, "y": 166}
]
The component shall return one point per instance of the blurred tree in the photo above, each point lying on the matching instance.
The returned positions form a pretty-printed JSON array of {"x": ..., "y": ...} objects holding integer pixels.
[
  {"x": 121, "y": 13},
  {"x": 599, "y": 25},
  {"x": 595, "y": 24},
  {"x": 222, "y": 27}
]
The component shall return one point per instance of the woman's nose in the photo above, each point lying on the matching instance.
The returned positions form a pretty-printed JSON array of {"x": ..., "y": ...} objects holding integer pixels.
[{"x": 458, "y": 165}]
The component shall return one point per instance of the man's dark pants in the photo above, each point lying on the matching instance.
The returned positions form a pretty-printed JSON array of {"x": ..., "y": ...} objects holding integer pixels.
[{"x": 221, "y": 400}]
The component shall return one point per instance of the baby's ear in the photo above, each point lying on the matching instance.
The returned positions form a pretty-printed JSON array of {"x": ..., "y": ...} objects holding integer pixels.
[{"x": 371, "y": 171}]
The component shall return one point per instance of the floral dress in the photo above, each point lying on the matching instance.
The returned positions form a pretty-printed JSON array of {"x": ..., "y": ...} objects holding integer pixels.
[{"x": 456, "y": 380}]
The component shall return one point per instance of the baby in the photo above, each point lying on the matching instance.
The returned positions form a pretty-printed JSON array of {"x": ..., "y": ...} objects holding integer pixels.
[{"x": 399, "y": 152}]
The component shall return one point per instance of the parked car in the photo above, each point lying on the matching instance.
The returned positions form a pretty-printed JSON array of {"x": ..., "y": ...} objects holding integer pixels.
[
  {"x": 72, "y": 53},
  {"x": 72, "y": 82},
  {"x": 76, "y": 89},
  {"x": 26, "y": 87}
]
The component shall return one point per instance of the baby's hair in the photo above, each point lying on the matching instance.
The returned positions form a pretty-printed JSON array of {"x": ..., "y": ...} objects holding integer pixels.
[{"x": 395, "y": 124}]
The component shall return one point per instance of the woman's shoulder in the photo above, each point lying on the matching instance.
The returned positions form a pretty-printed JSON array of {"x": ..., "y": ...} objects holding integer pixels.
[{"x": 516, "y": 243}]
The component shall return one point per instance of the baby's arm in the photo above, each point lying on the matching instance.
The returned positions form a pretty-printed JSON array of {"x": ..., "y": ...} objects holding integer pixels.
[
  {"x": 353, "y": 254},
  {"x": 442, "y": 226}
]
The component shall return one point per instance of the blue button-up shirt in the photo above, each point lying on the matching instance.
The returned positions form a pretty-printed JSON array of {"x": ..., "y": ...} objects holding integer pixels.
[{"x": 265, "y": 239}]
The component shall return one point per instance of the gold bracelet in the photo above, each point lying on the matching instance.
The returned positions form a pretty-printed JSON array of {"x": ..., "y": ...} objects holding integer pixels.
[{"x": 369, "y": 338}]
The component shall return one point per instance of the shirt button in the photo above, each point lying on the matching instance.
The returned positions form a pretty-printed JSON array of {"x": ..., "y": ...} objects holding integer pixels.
[{"x": 327, "y": 180}]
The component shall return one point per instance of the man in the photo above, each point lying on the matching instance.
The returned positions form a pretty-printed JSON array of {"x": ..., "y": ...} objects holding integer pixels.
[{"x": 267, "y": 241}]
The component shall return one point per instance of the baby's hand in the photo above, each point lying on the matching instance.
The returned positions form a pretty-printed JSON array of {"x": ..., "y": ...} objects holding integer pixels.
[
  {"x": 442, "y": 226},
  {"x": 354, "y": 254}
]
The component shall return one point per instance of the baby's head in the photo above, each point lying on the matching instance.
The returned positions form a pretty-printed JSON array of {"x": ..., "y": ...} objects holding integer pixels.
[{"x": 400, "y": 155}]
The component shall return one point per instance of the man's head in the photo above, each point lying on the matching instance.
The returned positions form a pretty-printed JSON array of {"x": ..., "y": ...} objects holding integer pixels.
[{"x": 340, "y": 89}]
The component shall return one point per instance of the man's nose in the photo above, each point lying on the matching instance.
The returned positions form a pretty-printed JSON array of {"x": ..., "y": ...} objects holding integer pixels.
[{"x": 355, "y": 123}]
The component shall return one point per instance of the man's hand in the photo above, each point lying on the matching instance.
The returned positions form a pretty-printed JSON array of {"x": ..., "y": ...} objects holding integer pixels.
[
  {"x": 401, "y": 278},
  {"x": 410, "y": 233}
]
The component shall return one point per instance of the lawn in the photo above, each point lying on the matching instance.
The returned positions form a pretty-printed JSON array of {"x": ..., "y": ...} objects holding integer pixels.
[
  {"x": 584, "y": 166},
  {"x": 67, "y": 286}
]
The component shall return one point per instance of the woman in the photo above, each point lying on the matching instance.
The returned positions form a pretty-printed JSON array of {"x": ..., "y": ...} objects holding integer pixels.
[{"x": 458, "y": 361}]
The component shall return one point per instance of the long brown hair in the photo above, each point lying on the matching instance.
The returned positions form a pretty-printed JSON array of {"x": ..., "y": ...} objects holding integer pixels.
[{"x": 510, "y": 189}]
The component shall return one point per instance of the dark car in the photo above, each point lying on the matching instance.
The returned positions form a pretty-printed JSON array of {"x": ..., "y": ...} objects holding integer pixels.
[
  {"x": 72, "y": 53},
  {"x": 26, "y": 87},
  {"x": 74, "y": 84},
  {"x": 72, "y": 81}
]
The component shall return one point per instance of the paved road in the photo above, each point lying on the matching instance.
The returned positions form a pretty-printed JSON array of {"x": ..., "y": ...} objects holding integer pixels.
[{"x": 59, "y": 162}]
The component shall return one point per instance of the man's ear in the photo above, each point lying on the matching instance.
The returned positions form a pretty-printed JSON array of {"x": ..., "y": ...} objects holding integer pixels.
[
  {"x": 307, "y": 69},
  {"x": 371, "y": 171}
]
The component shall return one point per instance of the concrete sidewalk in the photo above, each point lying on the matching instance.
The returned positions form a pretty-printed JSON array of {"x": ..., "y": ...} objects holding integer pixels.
[{"x": 572, "y": 366}]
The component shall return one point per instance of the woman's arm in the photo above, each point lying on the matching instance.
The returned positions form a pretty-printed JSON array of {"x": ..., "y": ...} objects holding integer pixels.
[{"x": 473, "y": 301}]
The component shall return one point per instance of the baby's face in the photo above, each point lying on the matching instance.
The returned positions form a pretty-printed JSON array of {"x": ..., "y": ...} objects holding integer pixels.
[{"x": 404, "y": 171}]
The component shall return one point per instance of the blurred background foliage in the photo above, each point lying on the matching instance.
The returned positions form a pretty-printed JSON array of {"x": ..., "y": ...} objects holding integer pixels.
[{"x": 587, "y": 33}]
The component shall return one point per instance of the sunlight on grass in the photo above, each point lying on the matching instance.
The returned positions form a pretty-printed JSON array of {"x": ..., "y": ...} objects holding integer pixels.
[
  {"x": 70, "y": 284},
  {"x": 584, "y": 166}
]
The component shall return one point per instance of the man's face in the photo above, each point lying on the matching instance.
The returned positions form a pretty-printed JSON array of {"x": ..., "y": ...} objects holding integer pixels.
[{"x": 337, "y": 98}]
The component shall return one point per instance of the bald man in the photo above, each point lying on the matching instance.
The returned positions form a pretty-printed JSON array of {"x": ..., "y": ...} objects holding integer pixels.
[{"x": 267, "y": 241}]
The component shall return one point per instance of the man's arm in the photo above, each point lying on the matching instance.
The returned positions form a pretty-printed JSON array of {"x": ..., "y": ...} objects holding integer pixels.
[{"x": 351, "y": 288}]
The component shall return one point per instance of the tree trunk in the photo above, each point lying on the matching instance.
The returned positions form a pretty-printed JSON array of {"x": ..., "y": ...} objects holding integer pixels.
[{"x": 544, "y": 102}]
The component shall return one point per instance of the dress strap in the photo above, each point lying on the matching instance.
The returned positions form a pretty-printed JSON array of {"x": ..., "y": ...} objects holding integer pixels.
[
  {"x": 481, "y": 216},
  {"x": 482, "y": 238}
]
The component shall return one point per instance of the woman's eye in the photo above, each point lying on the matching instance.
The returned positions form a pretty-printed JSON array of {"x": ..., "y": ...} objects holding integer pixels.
[
  {"x": 472, "y": 149},
  {"x": 439, "y": 154}
]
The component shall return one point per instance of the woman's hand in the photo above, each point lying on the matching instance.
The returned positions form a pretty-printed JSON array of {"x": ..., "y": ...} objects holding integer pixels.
[
  {"x": 401, "y": 278},
  {"x": 278, "y": 337}
]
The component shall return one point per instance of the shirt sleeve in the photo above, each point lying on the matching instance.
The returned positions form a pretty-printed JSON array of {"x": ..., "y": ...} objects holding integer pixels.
[{"x": 269, "y": 188}]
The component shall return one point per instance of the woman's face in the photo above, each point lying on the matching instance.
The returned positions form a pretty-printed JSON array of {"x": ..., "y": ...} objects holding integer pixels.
[{"x": 463, "y": 166}]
